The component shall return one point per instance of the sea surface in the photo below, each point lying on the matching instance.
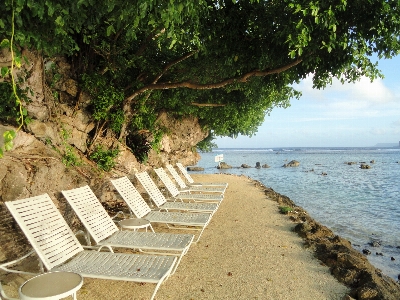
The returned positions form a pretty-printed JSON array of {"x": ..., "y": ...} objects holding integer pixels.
[{"x": 361, "y": 205}]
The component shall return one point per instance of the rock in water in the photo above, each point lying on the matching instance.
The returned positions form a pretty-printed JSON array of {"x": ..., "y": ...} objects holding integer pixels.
[{"x": 293, "y": 163}]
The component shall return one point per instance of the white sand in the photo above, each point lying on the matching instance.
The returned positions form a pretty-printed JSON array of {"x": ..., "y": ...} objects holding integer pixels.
[{"x": 248, "y": 251}]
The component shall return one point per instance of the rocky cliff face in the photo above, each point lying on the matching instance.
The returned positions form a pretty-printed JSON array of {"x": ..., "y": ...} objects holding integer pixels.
[{"x": 60, "y": 123}]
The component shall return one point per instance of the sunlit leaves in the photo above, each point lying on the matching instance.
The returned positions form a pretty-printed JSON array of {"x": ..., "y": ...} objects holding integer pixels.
[
  {"x": 8, "y": 137},
  {"x": 134, "y": 46}
]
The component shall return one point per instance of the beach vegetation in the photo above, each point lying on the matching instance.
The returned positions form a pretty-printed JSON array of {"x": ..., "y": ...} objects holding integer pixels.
[
  {"x": 228, "y": 63},
  {"x": 285, "y": 209},
  {"x": 105, "y": 158},
  {"x": 207, "y": 145}
]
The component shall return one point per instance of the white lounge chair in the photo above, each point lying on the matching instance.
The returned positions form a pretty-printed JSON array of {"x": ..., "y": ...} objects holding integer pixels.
[
  {"x": 140, "y": 209},
  {"x": 105, "y": 233},
  {"x": 158, "y": 198},
  {"x": 135, "y": 201},
  {"x": 183, "y": 187},
  {"x": 186, "y": 195},
  {"x": 192, "y": 182},
  {"x": 59, "y": 249}
]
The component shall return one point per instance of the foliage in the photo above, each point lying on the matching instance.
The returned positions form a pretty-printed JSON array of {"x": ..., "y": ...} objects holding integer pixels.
[
  {"x": 238, "y": 57},
  {"x": 105, "y": 100},
  {"x": 139, "y": 146},
  {"x": 8, "y": 107},
  {"x": 52, "y": 78},
  {"x": 69, "y": 157},
  {"x": 7, "y": 110},
  {"x": 105, "y": 159},
  {"x": 207, "y": 144},
  {"x": 285, "y": 209},
  {"x": 8, "y": 137}
]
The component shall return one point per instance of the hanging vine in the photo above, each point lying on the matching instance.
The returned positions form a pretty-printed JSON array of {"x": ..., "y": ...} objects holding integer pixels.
[{"x": 9, "y": 135}]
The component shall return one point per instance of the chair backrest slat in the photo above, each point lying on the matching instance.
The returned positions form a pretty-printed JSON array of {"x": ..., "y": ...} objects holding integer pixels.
[
  {"x": 91, "y": 213},
  {"x": 176, "y": 176},
  {"x": 131, "y": 196},
  {"x": 171, "y": 187},
  {"x": 185, "y": 173},
  {"x": 151, "y": 188},
  {"x": 45, "y": 228}
]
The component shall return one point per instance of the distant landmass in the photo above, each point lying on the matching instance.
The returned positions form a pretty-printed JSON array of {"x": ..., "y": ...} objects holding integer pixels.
[{"x": 386, "y": 145}]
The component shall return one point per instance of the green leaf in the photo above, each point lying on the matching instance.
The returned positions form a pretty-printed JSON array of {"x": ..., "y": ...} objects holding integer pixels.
[
  {"x": 50, "y": 10},
  {"x": 9, "y": 135},
  {"x": 1, "y": 24},
  {"x": 5, "y": 43},
  {"x": 17, "y": 61},
  {"x": 59, "y": 21},
  {"x": 1, "y": 153},
  {"x": 110, "y": 30},
  {"x": 8, "y": 146},
  {"x": 172, "y": 43},
  {"x": 4, "y": 71}
]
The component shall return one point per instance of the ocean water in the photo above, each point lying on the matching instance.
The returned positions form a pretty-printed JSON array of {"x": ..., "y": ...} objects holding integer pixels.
[{"x": 361, "y": 205}]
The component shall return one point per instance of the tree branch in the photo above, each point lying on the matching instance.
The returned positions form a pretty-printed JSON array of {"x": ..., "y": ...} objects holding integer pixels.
[
  {"x": 209, "y": 86},
  {"x": 206, "y": 104},
  {"x": 171, "y": 64},
  {"x": 198, "y": 86}
]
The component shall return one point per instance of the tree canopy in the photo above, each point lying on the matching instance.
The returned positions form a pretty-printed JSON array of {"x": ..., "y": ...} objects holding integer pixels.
[{"x": 228, "y": 62}]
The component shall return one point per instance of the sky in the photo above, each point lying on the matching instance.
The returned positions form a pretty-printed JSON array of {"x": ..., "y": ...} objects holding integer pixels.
[{"x": 362, "y": 114}]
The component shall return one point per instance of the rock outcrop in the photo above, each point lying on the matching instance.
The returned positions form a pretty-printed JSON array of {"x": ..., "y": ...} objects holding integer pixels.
[
  {"x": 293, "y": 163},
  {"x": 196, "y": 169},
  {"x": 365, "y": 166},
  {"x": 224, "y": 165},
  {"x": 61, "y": 126}
]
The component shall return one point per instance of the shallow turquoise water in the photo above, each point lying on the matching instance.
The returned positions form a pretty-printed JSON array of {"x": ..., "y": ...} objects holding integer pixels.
[{"x": 359, "y": 205}]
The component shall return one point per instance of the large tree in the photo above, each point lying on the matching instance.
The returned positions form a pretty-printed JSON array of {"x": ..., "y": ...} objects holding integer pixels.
[{"x": 227, "y": 62}]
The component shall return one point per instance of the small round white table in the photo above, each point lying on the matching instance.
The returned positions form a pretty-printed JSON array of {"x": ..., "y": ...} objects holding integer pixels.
[
  {"x": 51, "y": 286},
  {"x": 135, "y": 224}
]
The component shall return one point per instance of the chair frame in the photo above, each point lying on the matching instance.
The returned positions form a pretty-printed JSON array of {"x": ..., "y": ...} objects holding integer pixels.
[
  {"x": 105, "y": 233},
  {"x": 183, "y": 187},
  {"x": 210, "y": 196},
  {"x": 59, "y": 250},
  {"x": 173, "y": 220}
]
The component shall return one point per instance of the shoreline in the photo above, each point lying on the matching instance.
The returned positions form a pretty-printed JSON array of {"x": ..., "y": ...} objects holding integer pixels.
[
  {"x": 249, "y": 251},
  {"x": 346, "y": 264}
]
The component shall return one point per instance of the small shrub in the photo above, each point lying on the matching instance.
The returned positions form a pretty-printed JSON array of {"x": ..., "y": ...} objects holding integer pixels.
[
  {"x": 70, "y": 158},
  {"x": 105, "y": 159},
  {"x": 285, "y": 209}
]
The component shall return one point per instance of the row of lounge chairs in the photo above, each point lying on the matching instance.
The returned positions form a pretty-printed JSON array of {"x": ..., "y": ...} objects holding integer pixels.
[{"x": 160, "y": 253}]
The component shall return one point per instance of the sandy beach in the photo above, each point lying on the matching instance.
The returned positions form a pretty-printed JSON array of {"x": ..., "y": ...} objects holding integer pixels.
[{"x": 248, "y": 251}]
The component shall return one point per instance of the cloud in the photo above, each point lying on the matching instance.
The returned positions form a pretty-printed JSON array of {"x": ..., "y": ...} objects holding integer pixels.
[
  {"x": 362, "y": 91},
  {"x": 363, "y": 99},
  {"x": 372, "y": 92}
]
